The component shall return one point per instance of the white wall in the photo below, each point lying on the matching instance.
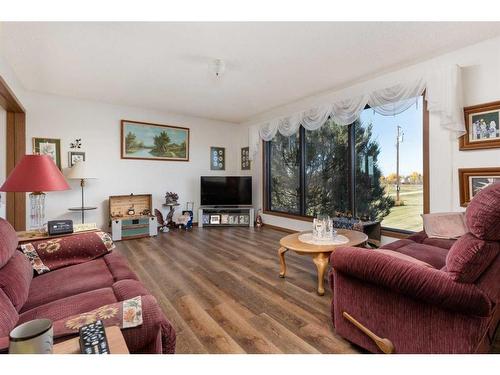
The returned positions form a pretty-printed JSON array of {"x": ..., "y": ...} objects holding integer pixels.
[
  {"x": 481, "y": 84},
  {"x": 98, "y": 125}
]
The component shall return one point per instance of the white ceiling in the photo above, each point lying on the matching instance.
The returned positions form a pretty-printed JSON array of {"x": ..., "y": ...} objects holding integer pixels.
[{"x": 165, "y": 65}]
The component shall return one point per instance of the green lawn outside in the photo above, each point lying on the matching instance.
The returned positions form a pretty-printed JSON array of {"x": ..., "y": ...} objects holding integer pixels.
[{"x": 406, "y": 217}]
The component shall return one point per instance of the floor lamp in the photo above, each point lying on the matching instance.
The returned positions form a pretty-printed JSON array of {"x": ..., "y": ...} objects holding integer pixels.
[
  {"x": 35, "y": 174},
  {"x": 80, "y": 171}
]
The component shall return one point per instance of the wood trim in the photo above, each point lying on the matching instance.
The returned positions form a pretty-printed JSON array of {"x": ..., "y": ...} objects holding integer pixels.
[
  {"x": 426, "y": 161},
  {"x": 16, "y": 149},
  {"x": 281, "y": 229},
  {"x": 463, "y": 180},
  {"x": 265, "y": 200},
  {"x": 8, "y": 99},
  {"x": 153, "y": 159},
  {"x": 289, "y": 216},
  {"x": 464, "y": 143},
  {"x": 383, "y": 344},
  {"x": 394, "y": 234}
]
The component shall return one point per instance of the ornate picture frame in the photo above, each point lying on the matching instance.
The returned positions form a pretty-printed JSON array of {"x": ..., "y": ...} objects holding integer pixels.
[
  {"x": 149, "y": 141},
  {"x": 482, "y": 123},
  {"x": 472, "y": 180}
]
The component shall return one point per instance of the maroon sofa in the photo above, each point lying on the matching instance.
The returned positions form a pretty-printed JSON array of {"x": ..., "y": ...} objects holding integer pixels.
[
  {"x": 74, "y": 290},
  {"x": 424, "y": 295}
]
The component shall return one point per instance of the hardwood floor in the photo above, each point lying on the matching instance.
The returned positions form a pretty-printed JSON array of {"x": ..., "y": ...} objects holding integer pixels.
[{"x": 220, "y": 289}]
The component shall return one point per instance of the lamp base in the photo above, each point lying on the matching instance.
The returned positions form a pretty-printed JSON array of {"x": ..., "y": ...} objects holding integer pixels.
[{"x": 37, "y": 211}]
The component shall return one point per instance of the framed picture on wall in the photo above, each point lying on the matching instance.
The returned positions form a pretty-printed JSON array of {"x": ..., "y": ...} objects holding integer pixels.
[
  {"x": 482, "y": 124},
  {"x": 245, "y": 158},
  {"x": 48, "y": 146},
  {"x": 217, "y": 158},
  {"x": 473, "y": 180},
  {"x": 75, "y": 156},
  {"x": 147, "y": 141}
]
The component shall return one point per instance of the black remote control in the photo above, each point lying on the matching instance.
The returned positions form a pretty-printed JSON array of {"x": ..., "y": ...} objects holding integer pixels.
[{"x": 93, "y": 339}]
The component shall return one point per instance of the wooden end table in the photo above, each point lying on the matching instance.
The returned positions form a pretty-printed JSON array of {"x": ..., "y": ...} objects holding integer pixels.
[
  {"x": 319, "y": 253},
  {"x": 115, "y": 338}
]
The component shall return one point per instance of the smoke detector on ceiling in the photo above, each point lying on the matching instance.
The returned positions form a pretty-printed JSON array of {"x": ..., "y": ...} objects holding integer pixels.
[{"x": 218, "y": 67}]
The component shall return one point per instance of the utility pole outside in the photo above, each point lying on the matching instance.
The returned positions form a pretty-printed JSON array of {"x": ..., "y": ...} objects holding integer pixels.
[{"x": 399, "y": 139}]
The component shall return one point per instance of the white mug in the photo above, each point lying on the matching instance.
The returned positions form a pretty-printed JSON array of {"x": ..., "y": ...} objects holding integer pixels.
[{"x": 33, "y": 337}]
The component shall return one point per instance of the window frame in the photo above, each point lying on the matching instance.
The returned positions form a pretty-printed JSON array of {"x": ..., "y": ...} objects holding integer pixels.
[{"x": 387, "y": 231}]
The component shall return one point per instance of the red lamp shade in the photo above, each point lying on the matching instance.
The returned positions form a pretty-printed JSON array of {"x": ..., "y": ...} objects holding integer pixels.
[{"x": 35, "y": 173}]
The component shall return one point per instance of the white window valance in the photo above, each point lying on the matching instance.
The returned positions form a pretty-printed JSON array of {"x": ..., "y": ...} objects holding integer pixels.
[{"x": 443, "y": 94}]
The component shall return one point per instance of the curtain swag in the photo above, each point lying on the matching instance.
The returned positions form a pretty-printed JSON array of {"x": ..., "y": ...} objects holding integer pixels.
[{"x": 443, "y": 90}]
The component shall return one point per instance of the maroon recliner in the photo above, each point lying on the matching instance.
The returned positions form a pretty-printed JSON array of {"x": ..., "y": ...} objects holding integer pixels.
[
  {"x": 422, "y": 295},
  {"x": 73, "y": 290}
]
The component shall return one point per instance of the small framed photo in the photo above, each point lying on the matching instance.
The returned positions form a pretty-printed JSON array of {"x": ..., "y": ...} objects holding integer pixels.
[
  {"x": 214, "y": 219},
  {"x": 48, "y": 146},
  {"x": 473, "y": 180},
  {"x": 75, "y": 156},
  {"x": 482, "y": 124},
  {"x": 217, "y": 158},
  {"x": 245, "y": 158}
]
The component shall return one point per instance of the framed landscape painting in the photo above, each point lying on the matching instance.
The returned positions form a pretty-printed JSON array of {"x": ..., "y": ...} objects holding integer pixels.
[
  {"x": 473, "y": 180},
  {"x": 146, "y": 141},
  {"x": 482, "y": 124}
]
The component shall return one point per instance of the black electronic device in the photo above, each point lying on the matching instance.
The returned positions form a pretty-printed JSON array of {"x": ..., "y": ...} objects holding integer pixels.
[
  {"x": 226, "y": 191},
  {"x": 93, "y": 339},
  {"x": 55, "y": 227}
]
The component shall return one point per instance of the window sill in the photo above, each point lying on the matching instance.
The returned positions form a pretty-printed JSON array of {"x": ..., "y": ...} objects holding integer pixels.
[
  {"x": 394, "y": 233},
  {"x": 289, "y": 216},
  {"x": 387, "y": 232}
]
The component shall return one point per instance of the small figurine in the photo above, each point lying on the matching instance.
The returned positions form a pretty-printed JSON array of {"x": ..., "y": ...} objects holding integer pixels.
[{"x": 258, "y": 221}]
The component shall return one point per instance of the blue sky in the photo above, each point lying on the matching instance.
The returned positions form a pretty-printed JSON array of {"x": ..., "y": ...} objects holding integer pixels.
[
  {"x": 146, "y": 133},
  {"x": 384, "y": 131}
]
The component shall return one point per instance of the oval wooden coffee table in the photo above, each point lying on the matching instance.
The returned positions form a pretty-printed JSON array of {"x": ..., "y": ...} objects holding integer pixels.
[{"x": 319, "y": 253}]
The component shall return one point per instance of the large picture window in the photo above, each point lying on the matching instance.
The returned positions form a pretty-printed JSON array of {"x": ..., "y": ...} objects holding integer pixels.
[{"x": 355, "y": 169}]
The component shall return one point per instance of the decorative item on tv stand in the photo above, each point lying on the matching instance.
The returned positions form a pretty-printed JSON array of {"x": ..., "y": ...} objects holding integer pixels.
[{"x": 130, "y": 216}]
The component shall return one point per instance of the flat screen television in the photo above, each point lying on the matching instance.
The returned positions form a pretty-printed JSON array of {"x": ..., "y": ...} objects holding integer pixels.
[{"x": 226, "y": 191}]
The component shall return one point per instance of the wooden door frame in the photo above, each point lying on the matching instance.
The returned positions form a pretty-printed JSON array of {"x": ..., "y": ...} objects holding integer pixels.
[{"x": 15, "y": 150}]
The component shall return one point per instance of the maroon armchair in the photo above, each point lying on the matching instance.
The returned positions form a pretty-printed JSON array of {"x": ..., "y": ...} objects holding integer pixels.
[
  {"x": 74, "y": 290},
  {"x": 423, "y": 295}
]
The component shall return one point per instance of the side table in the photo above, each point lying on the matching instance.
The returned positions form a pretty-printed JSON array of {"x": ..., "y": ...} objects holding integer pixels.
[
  {"x": 82, "y": 209},
  {"x": 319, "y": 253},
  {"x": 34, "y": 235},
  {"x": 116, "y": 342}
]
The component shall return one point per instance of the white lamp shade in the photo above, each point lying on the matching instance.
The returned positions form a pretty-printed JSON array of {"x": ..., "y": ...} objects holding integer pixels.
[{"x": 80, "y": 171}]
